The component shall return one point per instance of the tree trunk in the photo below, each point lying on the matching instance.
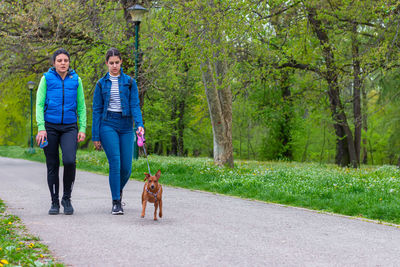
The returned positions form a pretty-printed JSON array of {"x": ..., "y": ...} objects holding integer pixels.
[
  {"x": 158, "y": 148},
  {"x": 181, "y": 111},
  {"x": 356, "y": 93},
  {"x": 129, "y": 51},
  {"x": 323, "y": 145},
  {"x": 285, "y": 127},
  {"x": 342, "y": 157},
  {"x": 177, "y": 113},
  {"x": 181, "y": 128},
  {"x": 174, "y": 140},
  {"x": 365, "y": 126},
  {"x": 346, "y": 153},
  {"x": 305, "y": 152},
  {"x": 130, "y": 29},
  {"x": 248, "y": 138},
  {"x": 370, "y": 152},
  {"x": 219, "y": 98},
  {"x": 343, "y": 132}
]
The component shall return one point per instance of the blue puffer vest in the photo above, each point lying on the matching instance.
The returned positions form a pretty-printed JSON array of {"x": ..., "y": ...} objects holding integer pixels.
[{"x": 61, "y": 103}]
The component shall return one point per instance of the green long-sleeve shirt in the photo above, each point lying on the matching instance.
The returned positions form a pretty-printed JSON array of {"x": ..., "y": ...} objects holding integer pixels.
[{"x": 41, "y": 99}]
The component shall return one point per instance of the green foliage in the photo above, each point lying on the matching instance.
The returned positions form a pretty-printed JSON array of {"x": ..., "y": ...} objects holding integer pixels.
[
  {"x": 178, "y": 83},
  {"x": 254, "y": 39},
  {"x": 17, "y": 248},
  {"x": 15, "y": 113}
]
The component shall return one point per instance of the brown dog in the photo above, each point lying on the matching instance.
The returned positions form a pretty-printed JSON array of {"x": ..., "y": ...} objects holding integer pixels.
[{"x": 152, "y": 192}]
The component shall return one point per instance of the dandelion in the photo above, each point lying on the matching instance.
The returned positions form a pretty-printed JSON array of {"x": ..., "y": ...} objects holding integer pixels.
[
  {"x": 4, "y": 261},
  {"x": 380, "y": 199},
  {"x": 31, "y": 245},
  {"x": 41, "y": 255},
  {"x": 9, "y": 222},
  {"x": 18, "y": 249}
]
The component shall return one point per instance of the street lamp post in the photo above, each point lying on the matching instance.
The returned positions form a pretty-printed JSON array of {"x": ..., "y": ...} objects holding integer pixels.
[
  {"x": 136, "y": 12},
  {"x": 31, "y": 85}
]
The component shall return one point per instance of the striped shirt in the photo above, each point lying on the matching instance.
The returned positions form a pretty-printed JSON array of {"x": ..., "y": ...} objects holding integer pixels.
[{"x": 115, "y": 99}]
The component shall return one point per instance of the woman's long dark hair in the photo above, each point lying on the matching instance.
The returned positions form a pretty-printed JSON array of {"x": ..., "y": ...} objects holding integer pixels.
[{"x": 113, "y": 52}]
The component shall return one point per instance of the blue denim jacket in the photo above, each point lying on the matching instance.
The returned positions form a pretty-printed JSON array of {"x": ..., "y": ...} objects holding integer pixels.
[{"x": 129, "y": 102}]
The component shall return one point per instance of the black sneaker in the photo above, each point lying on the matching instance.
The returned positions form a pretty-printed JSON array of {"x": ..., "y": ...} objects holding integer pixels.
[
  {"x": 68, "y": 209},
  {"x": 120, "y": 207},
  {"x": 116, "y": 208},
  {"x": 120, "y": 199},
  {"x": 55, "y": 208}
]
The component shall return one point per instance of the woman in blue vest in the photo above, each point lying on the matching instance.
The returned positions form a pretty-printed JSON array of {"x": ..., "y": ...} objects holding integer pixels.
[
  {"x": 115, "y": 110},
  {"x": 59, "y": 104}
]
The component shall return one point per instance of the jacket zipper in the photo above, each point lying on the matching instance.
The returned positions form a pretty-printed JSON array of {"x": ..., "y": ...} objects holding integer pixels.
[{"x": 62, "y": 114}]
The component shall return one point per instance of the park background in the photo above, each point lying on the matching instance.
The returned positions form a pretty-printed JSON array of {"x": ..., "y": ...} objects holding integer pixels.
[
  {"x": 304, "y": 81},
  {"x": 300, "y": 98}
]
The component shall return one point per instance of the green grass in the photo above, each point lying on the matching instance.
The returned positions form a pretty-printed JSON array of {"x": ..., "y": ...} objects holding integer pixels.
[
  {"x": 369, "y": 192},
  {"x": 17, "y": 248}
]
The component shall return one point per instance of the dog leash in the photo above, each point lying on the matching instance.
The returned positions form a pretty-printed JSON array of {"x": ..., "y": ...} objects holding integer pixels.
[{"x": 140, "y": 142}]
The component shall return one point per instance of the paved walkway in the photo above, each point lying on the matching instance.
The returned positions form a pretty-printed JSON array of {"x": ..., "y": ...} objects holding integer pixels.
[{"x": 198, "y": 229}]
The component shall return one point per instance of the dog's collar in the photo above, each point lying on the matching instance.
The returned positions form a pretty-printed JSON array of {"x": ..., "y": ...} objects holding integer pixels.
[{"x": 153, "y": 194}]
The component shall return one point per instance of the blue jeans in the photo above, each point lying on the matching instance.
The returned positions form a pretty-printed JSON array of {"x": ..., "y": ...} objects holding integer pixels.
[{"x": 116, "y": 137}]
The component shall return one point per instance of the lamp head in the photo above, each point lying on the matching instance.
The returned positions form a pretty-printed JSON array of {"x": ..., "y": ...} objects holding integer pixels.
[
  {"x": 137, "y": 12},
  {"x": 31, "y": 85}
]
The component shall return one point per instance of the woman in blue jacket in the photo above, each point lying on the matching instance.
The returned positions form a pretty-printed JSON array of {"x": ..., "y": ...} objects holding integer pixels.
[
  {"x": 115, "y": 110},
  {"x": 59, "y": 104}
]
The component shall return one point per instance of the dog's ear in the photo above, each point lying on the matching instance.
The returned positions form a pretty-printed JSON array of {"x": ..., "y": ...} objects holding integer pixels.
[
  {"x": 158, "y": 174},
  {"x": 147, "y": 176}
]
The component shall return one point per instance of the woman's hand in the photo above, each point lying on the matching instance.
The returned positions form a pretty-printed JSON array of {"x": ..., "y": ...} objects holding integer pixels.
[
  {"x": 97, "y": 145},
  {"x": 40, "y": 137},
  {"x": 81, "y": 137},
  {"x": 140, "y": 130}
]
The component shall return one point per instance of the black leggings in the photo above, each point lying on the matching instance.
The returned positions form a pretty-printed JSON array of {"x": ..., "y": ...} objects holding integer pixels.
[{"x": 65, "y": 136}]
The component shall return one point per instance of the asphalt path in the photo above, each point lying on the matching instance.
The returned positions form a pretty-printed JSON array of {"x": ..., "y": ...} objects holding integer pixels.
[{"x": 198, "y": 228}]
